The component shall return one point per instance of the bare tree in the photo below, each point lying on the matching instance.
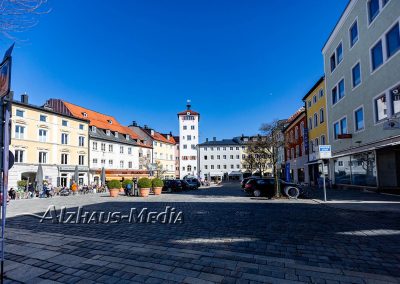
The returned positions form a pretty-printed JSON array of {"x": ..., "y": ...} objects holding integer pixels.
[
  {"x": 273, "y": 140},
  {"x": 257, "y": 154},
  {"x": 160, "y": 171},
  {"x": 249, "y": 162},
  {"x": 17, "y": 16}
]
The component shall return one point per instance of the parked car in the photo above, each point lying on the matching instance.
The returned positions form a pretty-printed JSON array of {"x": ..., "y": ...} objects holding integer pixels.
[
  {"x": 176, "y": 185},
  {"x": 194, "y": 182},
  {"x": 266, "y": 187},
  {"x": 245, "y": 180}
]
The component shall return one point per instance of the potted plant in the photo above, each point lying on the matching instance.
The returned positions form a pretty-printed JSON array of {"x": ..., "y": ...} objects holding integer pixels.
[
  {"x": 114, "y": 187},
  {"x": 144, "y": 185},
  {"x": 157, "y": 186}
]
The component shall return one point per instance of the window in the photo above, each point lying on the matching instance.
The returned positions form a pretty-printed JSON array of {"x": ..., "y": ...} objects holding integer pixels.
[
  {"x": 185, "y": 146},
  {"x": 377, "y": 55},
  {"x": 231, "y": 157},
  {"x": 42, "y": 135},
  {"x": 225, "y": 167},
  {"x": 356, "y": 75},
  {"x": 184, "y": 127},
  {"x": 395, "y": 96},
  {"x": 129, "y": 151},
  {"x": 103, "y": 161},
  {"x": 121, "y": 164},
  {"x": 103, "y": 147},
  {"x": 354, "y": 34},
  {"x": 64, "y": 123},
  {"x": 94, "y": 161},
  {"x": 205, "y": 157},
  {"x": 339, "y": 53},
  {"x": 302, "y": 128},
  {"x": 218, "y": 167},
  {"x": 218, "y": 157},
  {"x": 193, "y": 147},
  {"x": 237, "y": 148},
  {"x": 309, "y": 104},
  {"x": 359, "y": 119},
  {"x": 19, "y": 132},
  {"x": 110, "y": 162},
  {"x": 297, "y": 151},
  {"x": 296, "y": 133},
  {"x": 334, "y": 96},
  {"x": 309, "y": 123},
  {"x": 64, "y": 159},
  {"x": 315, "y": 120},
  {"x": 333, "y": 62},
  {"x": 321, "y": 93},
  {"x": 94, "y": 145},
  {"x": 81, "y": 160},
  {"x": 189, "y": 168},
  {"x": 110, "y": 148},
  {"x": 321, "y": 116},
  {"x": 130, "y": 165},
  {"x": 42, "y": 157},
  {"x": 19, "y": 156},
  {"x": 212, "y": 157},
  {"x": 20, "y": 113},
  {"x": 393, "y": 41},
  {"x": 314, "y": 99},
  {"x": 81, "y": 141},
  {"x": 212, "y": 167},
  {"x": 237, "y": 156},
  {"x": 224, "y": 157},
  {"x": 323, "y": 140},
  {"x": 192, "y": 127},
  {"x": 189, "y": 137},
  {"x": 43, "y": 118},
  {"x": 94, "y": 129},
  {"x": 231, "y": 148},
  {"x": 341, "y": 89},
  {"x": 64, "y": 138},
  {"x": 373, "y": 9},
  {"x": 81, "y": 127},
  {"x": 380, "y": 108},
  {"x": 232, "y": 167},
  {"x": 340, "y": 127},
  {"x": 206, "y": 167},
  {"x": 121, "y": 149}
]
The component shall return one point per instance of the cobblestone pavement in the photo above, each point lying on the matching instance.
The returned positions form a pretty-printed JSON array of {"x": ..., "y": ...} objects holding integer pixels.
[{"x": 226, "y": 237}]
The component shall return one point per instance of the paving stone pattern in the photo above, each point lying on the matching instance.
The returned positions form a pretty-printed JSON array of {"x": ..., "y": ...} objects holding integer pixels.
[{"x": 226, "y": 237}]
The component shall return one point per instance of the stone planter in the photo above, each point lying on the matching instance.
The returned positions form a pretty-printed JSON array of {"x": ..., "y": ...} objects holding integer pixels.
[
  {"x": 121, "y": 190},
  {"x": 114, "y": 192},
  {"x": 144, "y": 192},
  {"x": 157, "y": 190}
]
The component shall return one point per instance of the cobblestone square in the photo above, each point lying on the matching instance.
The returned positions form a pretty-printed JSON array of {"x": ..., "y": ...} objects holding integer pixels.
[{"x": 225, "y": 237}]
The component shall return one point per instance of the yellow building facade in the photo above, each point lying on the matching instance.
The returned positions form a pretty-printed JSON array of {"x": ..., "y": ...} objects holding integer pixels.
[
  {"x": 315, "y": 103},
  {"x": 41, "y": 136}
]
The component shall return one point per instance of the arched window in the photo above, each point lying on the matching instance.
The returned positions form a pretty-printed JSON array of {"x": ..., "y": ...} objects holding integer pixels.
[
  {"x": 321, "y": 115},
  {"x": 310, "y": 123}
]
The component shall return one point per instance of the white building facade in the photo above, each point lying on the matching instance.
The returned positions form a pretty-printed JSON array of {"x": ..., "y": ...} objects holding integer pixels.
[
  {"x": 221, "y": 160},
  {"x": 188, "y": 139}
]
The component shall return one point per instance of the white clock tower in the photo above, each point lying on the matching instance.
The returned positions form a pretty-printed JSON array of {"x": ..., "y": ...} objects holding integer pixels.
[{"x": 188, "y": 141}]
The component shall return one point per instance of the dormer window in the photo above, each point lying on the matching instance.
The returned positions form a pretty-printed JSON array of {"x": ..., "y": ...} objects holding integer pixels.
[
  {"x": 94, "y": 129},
  {"x": 127, "y": 137},
  {"x": 108, "y": 132},
  {"x": 84, "y": 114},
  {"x": 116, "y": 134},
  {"x": 109, "y": 121}
]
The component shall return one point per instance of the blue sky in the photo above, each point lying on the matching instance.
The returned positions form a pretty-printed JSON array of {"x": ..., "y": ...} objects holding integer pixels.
[{"x": 241, "y": 63}]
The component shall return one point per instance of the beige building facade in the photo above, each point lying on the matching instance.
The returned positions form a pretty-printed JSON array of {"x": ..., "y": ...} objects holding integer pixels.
[{"x": 41, "y": 136}]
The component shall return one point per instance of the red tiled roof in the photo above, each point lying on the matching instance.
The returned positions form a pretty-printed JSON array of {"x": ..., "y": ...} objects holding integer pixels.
[
  {"x": 159, "y": 137},
  {"x": 191, "y": 112},
  {"x": 295, "y": 115},
  {"x": 97, "y": 119}
]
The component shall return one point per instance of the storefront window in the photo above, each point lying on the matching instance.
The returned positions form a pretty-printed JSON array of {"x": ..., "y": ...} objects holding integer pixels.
[{"x": 359, "y": 169}]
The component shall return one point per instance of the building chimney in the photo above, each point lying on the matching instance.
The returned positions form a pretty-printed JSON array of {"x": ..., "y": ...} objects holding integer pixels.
[
  {"x": 152, "y": 132},
  {"x": 168, "y": 136},
  {"x": 134, "y": 123},
  {"x": 24, "y": 98},
  {"x": 145, "y": 126},
  {"x": 214, "y": 138}
]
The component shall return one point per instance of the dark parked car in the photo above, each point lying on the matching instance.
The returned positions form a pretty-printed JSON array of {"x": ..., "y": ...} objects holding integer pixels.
[
  {"x": 245, "y": 180},
  {"x": 194, "y": 182},
  {"x": 266, "y": 187},
  {"x": 176, "y": 185}
]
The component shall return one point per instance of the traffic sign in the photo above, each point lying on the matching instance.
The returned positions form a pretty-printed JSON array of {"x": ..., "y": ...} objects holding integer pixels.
[{"x": 325, "y": 151}]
